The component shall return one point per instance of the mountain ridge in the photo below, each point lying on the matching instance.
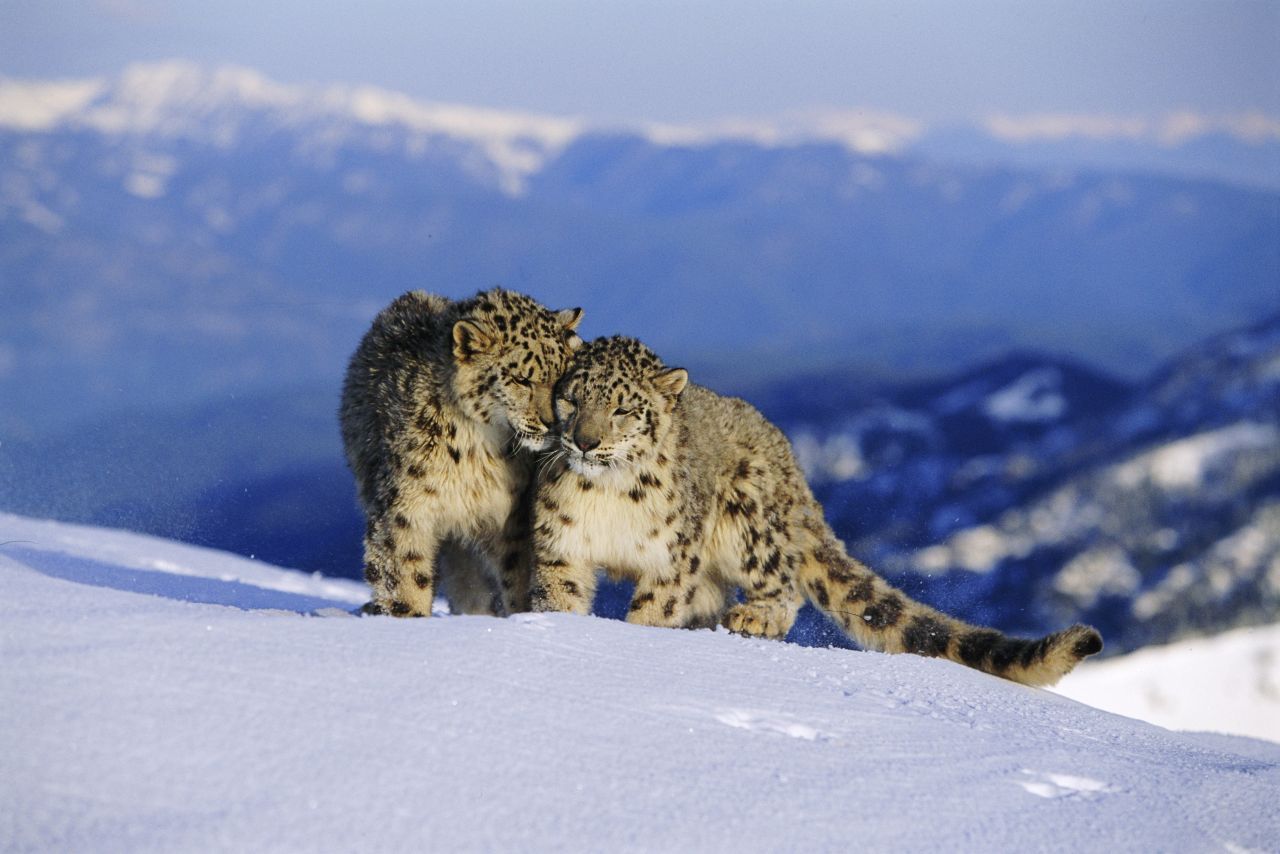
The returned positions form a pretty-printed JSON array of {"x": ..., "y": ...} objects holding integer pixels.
[
  {"x": 272, "y": 253},
  {"x": 136, "y": 99}
]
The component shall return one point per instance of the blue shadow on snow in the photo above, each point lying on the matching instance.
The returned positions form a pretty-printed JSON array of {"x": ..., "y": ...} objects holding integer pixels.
[{"x": 183, "y": 588}]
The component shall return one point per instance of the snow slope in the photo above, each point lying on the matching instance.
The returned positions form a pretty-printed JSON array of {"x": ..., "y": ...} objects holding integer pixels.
[
  {"x": 160, "y": 697},
  {"x": 1227, "y": 683}
]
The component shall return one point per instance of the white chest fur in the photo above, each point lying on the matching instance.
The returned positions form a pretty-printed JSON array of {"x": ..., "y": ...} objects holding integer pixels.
[
  {"x": 478, "y": 483},
  {"x": 604, "y": 526}
]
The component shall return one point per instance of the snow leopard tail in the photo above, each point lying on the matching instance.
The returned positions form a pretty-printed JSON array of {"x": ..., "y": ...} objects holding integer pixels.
[{"x": 878, "y": 616}]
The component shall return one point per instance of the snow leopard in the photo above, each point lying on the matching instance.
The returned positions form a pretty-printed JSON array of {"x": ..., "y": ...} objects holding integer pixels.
[
  {"x": 443, "y": 405},
  {"x": 699, "y": 499}
]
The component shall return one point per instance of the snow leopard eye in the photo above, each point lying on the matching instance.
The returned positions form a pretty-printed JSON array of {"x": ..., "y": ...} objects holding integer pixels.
[{"x": 621, "y": 411}]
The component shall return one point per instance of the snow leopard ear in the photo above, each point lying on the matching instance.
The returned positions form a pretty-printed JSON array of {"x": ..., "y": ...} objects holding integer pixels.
[
  {"x": 470, "y": 339},
  {"x": 671, "y": 382},
  {"x": 569, "y": 317}
]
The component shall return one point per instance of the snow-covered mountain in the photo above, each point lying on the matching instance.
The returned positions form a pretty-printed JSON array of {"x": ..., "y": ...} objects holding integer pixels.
[
  {"x": 1243, "y": 148},
  {"x": 178, "y": 234},
  {"x": 1034, "y": 492},
  {"x": 161, "y": 697},
  {"x": 229, "y": 106},
  {"x": 184, "y": 99}
]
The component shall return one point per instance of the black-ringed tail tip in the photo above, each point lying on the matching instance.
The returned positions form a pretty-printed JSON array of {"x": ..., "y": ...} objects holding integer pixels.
[{"x": 1029, "y": 661}]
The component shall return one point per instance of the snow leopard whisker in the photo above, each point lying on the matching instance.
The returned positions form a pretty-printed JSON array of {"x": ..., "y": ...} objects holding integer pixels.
[{"x": 553, "y": 456}]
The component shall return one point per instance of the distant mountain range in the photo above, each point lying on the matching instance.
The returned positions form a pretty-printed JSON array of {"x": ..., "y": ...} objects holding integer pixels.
[{"x": 179, "y": 235}]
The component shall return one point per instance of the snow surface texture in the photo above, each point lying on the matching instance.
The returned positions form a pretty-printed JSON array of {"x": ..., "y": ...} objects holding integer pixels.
[{"x": 161, "y": 697}]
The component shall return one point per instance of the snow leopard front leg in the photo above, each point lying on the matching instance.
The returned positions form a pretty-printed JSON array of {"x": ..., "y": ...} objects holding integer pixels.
[
  {"x": 400, "y": 553},
  {"x": 664, "y": 599},
  {"x": 562, "y": 585},
  {"x": 563, "y": 578}
]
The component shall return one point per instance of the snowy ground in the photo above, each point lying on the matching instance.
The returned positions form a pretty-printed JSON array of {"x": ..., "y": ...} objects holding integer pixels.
[{"x": 159, "y": 697}]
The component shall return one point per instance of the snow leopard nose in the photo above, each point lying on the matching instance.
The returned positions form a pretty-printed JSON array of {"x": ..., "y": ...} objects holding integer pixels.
[{"x": 585, "y": 443}]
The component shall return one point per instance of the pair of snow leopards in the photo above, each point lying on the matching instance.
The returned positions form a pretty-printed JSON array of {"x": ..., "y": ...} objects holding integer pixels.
[{"x": 501, "y": 461}]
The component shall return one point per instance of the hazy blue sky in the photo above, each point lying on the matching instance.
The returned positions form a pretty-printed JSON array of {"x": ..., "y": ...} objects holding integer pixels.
[{"x": 684, "y": 60}]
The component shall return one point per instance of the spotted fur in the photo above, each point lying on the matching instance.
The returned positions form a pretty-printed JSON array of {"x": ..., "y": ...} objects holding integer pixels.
[
  {"x": 443, "y": 405},
  {"x": 696, "y": 496}
]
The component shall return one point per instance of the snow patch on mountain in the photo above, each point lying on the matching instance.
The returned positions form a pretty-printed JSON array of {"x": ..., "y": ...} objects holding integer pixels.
[
  {"x": 868, "y": 132},
  {"x": 1246, "y": 559},
  {"x": 180, "y": 99},
  {"x": 40, "y": 105},
  {"x": 1187, "y": 463},
  {"x": 1102, "y": 571},
  {"x": 1035, "y": 396},
  {"x": 838, "y": 456},
  {"x": 1170, "y": 129},
  {"x": 1102, "y": 507}
]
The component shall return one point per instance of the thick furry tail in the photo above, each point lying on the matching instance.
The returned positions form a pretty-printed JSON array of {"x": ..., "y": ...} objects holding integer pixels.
[{"x": 878, "y": 616}]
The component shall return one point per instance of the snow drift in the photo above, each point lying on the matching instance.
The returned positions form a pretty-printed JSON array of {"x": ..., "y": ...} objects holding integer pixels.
[{"x": 157, "y": 696}]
